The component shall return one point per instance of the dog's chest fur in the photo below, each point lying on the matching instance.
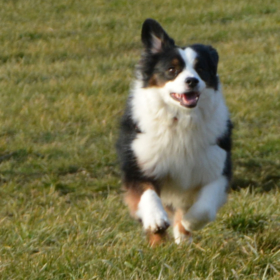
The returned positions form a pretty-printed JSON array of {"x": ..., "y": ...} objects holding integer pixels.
[{"x": 179, "y": 145}]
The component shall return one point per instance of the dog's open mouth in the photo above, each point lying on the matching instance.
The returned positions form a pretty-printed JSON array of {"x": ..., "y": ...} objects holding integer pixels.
[{"x": 187, "y": 99}]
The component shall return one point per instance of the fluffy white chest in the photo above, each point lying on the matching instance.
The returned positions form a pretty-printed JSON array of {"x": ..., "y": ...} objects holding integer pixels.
[
  {"x": 170, "y": 151},
  {"x": 182, "y": 148}
]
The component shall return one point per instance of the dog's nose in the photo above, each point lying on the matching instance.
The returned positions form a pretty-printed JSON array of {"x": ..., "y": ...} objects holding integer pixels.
[{"x": 192, "y": 82}]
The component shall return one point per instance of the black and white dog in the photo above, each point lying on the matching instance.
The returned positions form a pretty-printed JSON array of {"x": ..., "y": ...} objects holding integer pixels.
[{"x": 175, "y": 137}]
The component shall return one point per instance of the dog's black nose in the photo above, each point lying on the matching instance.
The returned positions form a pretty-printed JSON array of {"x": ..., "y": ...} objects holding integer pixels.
[{"x": 192, "y": 82}]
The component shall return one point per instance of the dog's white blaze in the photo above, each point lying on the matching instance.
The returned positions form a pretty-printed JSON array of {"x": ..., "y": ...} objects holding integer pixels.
[
  {"x": 189, "y": 56},
  {"x": 151, "y": 211}
]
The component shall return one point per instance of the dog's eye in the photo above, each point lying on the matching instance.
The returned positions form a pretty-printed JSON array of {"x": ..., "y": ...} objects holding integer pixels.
[
  {"x": 199, "y": 68},
  {"x": 172, "y": 71}
]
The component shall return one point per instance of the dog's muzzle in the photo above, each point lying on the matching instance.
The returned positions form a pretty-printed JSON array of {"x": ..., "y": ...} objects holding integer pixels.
[{"x": 188, "y": 99}]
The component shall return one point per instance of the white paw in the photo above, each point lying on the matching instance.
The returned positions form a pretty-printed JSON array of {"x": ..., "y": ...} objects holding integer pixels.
[
  {"x": 180, "y": 237},
  {"x": 151, "y": 212},
  {"x": 155, "y": 221},
  {"x": 197, "y": 217}
]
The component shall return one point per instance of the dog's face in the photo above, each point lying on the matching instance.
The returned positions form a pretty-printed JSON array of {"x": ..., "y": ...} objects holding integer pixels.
[{"x": 182, "y": 74}]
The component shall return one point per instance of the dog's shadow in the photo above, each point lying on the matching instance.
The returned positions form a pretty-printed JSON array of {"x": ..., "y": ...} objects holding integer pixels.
[{"x": 256, "y": 175}]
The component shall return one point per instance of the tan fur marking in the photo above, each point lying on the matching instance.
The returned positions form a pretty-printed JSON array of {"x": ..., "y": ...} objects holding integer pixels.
[
  {"x": 178, "y": 222},
  {"x": 132, "y": 199},
  {"x": 175, "y": 62},
  {"x": 133, "y": 195},
  {"x": 155, "y": 81},
  {"x": 155, "y": 239}
]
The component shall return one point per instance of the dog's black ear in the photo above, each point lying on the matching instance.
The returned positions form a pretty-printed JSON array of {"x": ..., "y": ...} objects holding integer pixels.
[
  {"x": 214, "y": 56},
  {"x": 154, "y": 38}
]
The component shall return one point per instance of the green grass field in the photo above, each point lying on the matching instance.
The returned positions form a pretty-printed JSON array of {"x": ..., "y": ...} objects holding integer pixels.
[{"x": 65, "y": 71}]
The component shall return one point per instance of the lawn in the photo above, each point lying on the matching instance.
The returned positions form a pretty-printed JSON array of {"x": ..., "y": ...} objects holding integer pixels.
[{"x": 65, "y": 71}]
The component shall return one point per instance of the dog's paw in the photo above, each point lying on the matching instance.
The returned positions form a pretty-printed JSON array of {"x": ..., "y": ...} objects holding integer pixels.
[
  {"x": 156, "y": 222},
  {"x": 152, "y": 213},
  {"x": 181, "y": 234}
]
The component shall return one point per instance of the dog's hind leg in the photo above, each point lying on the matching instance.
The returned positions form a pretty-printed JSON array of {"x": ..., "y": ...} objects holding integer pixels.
[{"x": 144, "y": 204}]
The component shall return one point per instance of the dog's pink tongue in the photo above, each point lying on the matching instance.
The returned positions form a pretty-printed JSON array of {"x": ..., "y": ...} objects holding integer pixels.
[{"x": 189, "y": 99}]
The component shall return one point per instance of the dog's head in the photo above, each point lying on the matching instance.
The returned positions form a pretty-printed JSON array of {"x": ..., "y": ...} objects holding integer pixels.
[{"x": 181, "y": 74}]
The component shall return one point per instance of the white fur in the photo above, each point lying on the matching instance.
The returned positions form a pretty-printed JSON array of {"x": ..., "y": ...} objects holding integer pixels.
[
  {"x": 210, "y": 199},
  {"x": 180, "y": 237},
  {"x": 179, "y": 146},
  {"x": 151, "y": 212}
]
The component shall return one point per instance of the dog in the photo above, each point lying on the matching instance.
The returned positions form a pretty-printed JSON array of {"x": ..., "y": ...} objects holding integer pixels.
[{"x": 174, "y": 144}]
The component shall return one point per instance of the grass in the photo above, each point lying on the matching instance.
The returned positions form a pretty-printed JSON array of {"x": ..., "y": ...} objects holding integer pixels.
[{"x": 65, "y": 71}]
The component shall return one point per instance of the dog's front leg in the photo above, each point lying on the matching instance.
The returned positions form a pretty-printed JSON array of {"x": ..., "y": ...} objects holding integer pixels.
[
  {"x": 145, "y": 204},
  {"x": 204, "y": 210},
  {"x": 179, "y": 231}
]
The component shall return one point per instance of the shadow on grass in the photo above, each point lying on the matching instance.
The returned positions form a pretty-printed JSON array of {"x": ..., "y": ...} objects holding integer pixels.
[
  {"x": 255, "y": 174},
  {"x": 258, "y": 174}
]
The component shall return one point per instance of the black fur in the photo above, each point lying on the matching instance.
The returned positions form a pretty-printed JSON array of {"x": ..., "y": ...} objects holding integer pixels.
[
  {"x": 158, "y": 65},
  {"x": 156, "y": 60},
  {"x": 128, "y": 132},
  {"x": 151, "y": 32},
  {"x": 225, "y": 143},
  {"x": 207, "y": 64}
]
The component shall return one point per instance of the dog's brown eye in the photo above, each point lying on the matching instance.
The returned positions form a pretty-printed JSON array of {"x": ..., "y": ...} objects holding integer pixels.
[
  {"x": 172, "y": 71},
  {"x": 199, "y": 70}
]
